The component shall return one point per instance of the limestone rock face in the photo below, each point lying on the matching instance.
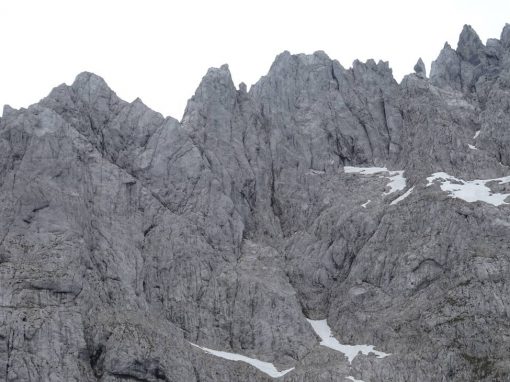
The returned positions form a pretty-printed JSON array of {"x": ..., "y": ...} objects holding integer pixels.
[
  {"x": 126, "y": 238},
  {"x": 445, "y": 70},
  {"x": 420, "y": 69}
]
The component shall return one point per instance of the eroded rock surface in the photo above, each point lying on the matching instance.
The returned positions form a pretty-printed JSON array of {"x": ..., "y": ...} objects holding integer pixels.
[{"x": 126, "y": 237}]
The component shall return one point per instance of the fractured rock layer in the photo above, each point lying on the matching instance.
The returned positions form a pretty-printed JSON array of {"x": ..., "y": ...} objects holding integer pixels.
[{"x": 126, "y": 237}]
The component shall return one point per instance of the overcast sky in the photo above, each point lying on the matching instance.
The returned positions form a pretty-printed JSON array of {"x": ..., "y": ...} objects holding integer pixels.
[{"x": 159, "y": 50}]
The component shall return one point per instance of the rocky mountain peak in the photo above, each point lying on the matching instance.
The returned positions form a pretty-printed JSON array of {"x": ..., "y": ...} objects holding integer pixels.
[
  {"x": 90, "y": 87},
  {"x": 470, "y": 47},
  {"x": 445, "y": 70},
  {"x": 282, "y": 228},
  {"x": 420, "y": 69},
  {"x": 216, "y": 87},
  {"x": 505, "y": 36},
  {"x": 242, "y": 87},
  {"x": 281, "y": 60},
  {"x": 7, "y": 110}
]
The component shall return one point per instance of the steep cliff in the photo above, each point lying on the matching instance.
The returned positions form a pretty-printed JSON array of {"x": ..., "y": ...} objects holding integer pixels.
[{"x": 135, "y": 247}]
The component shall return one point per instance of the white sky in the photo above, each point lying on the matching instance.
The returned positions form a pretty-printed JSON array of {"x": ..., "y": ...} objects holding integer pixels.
[{"x": 159, "y": 50}]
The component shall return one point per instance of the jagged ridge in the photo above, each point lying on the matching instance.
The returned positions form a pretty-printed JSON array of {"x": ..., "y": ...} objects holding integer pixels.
[{"x": 124, "y": 235}]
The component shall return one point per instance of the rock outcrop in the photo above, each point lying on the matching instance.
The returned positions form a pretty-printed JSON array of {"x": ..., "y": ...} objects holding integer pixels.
[
  {"x": 420, "y": 69},
  {"x": 126, "y": 238}
]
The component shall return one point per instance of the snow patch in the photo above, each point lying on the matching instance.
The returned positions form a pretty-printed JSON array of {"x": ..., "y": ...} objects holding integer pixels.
[
  {"x": 354, "y": 379},
  {"x": 323, "y": 330},
  {"x": 265, "y": 367},
  {"x": 470, "y": 190},
  {"x": 365, "y": 170},
  {"x": 403, "y": 196},
  {"x": 455, "y": 102},
  {"x": 472, "y": 147},
  {"x": 315, "y": 172},
  {"x": 397, "y": 180},
  {"x": 476, "y": 134},
  {"x": 364, "y": 205}
]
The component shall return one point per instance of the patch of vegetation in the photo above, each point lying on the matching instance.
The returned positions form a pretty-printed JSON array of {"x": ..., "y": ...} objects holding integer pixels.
[
  {"x": 456, "y": 319},
  {"x": 482, "y": 366},
  {"x": 464, "y": 283},
  {"x": 453, "y": 301}
]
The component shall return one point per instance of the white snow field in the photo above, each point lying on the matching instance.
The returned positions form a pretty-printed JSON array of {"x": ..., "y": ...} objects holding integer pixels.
[
  {"x": 364, "y": 205},
  {"x": 470, "y": 190},
  {"x": 403, "y": 196},
  {"x": 396, "y": 178},
  {"x": 265, "y": 367},
  {"x": 323, "y": 330},
  {"x": 354, "y": 379}
]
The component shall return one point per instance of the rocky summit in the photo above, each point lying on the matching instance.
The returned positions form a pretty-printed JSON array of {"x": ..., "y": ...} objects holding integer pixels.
[{"x": 329, "y": 224}]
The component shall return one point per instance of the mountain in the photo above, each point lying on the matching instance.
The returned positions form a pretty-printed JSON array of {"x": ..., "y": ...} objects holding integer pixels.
[{"x": 268, "y": 235}]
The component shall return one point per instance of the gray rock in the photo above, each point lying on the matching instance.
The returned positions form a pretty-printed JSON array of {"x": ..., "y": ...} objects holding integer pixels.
[
  {"x": 505, "y": 36},
  {"x": 445, "y": 70},
  {"x": 420, "y": 69},
  {"x": 126, "y": 236}
]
